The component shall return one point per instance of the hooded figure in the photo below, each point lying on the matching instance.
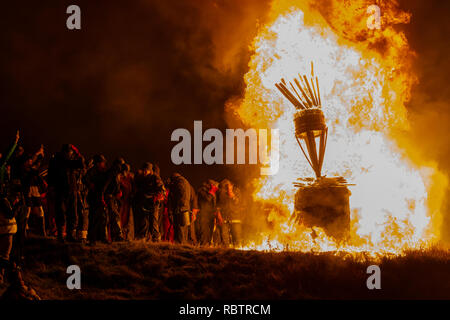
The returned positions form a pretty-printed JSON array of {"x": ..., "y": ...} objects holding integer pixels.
[{"x": 206, "y": 198}]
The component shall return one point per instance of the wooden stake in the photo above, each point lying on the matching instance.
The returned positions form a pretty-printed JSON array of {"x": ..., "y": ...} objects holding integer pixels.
[
  {"x": 303, "y": 92},
  {"x": 314, "y": 89},
  {"x": 305, "y": 88},
  {"x": 318, "y": 90},
  {"x": 288, "y": 95},
  {"x": 310, "y": 91},
  {"x": 299, "y": 98}
]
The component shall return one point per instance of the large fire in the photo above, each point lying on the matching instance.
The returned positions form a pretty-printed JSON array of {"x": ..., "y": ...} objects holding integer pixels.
[{"x": 365, "y": 80}]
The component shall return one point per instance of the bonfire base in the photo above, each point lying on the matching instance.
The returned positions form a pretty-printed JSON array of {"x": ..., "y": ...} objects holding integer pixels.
[{"x": 325, "y": 204}]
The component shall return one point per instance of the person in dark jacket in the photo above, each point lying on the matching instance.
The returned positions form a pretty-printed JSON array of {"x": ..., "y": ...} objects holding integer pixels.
[
  {"x": 149, "y": 191},
  {"x": 62, "y": 179},
  {"x": 112, "y": 195},
  {"x": 179, "y": 203},
  {"x": 95, "y": 180},
  {"x": 228, "y": 206},
  {"x": 206, "y": 196}
]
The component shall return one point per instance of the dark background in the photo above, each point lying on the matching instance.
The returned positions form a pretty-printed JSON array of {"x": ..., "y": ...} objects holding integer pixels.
[
  {"x": 137, "y": 71},
  {"x": 133, "y": 73}
]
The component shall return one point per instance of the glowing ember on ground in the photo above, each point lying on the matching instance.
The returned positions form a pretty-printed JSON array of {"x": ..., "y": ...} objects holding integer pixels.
[{"x": 395, "y": 202}]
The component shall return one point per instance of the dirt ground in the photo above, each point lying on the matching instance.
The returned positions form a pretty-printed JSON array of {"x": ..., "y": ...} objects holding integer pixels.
[{"x": 136, "y": 270}]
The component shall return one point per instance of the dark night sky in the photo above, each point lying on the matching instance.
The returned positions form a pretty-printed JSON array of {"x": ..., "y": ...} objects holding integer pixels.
[
  {"x": 136, "y": 72},
  {"x": 127, "y": 79}
]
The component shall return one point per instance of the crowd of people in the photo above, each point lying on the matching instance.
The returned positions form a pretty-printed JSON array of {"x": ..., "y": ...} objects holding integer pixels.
[{"x": 76, "y": 199}]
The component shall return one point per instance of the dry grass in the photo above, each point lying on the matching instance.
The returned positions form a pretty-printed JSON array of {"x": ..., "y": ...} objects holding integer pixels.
[{"x": 163, "y": 271}]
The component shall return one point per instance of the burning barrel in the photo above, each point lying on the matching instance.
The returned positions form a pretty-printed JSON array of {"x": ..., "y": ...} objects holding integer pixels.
[
  {"x": 321, "y": 202},
  {"x": 324, "y": 203}
]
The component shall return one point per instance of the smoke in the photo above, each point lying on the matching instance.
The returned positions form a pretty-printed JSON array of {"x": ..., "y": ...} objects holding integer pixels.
[
  {"x": 426, "y": 27},
  {"x": 429, "y": 108}
]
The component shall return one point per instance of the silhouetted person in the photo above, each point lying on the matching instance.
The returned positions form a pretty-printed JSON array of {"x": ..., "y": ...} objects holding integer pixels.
[
  {"x": 112, "y": 195},
  {"x": 62, "y": 178},
  {"x": 149, "y": 190},
  {"x": 193, "y": 229},
  {"x": 206, "y": 196},
  {"x": 166, "y": 225},
  {"x": 126, "y": 212},
  {"x": 228, "y": 205},
  {"x": 82, "y": 205},
  {"x": 9, "y": 204},
  {"x": 180, "y": 206},
  {"x": 34, "y": 184},
  {"x": 95, "y": 180}
]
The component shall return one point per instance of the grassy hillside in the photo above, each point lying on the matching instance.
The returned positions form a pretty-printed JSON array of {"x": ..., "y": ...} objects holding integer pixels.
[{"x": 164, "y": 271}]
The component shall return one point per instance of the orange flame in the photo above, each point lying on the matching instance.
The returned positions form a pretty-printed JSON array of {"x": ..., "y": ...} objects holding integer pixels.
[{"x": 365, "y": 80}]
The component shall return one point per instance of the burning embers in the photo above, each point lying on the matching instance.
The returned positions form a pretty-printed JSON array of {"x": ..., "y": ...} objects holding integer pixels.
[{"x": 323, "y": 202}]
